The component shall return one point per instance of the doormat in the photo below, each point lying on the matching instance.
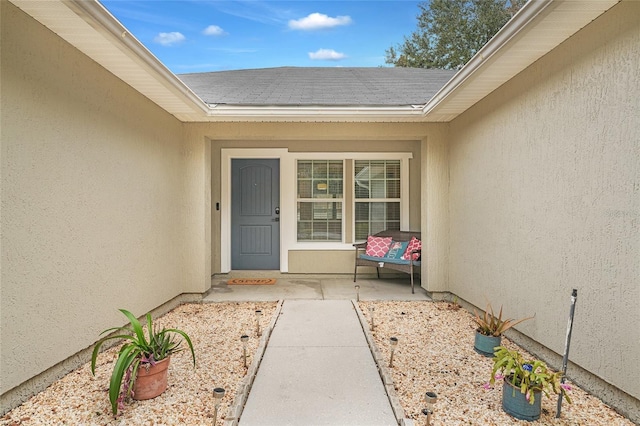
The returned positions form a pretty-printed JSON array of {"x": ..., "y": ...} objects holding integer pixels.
[{"x": 251, "y": 281}]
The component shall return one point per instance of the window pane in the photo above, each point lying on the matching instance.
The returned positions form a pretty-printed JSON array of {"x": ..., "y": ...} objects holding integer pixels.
[
  {"x": 304, "y": 211},
  {"x": 377, "y": 179},
  {"x": 393, "y": 212},
  {"x": 377, "y": 211},
  {"x": 376, "y": 169},
  {"x": 319, "y": 221},
  {"x": 393, "y": 188},
  {"x": 371, "y": 218},
  {"x": 304, "y": 169},
  {"x": 320, "y": 188},
  {"x": 362, "y": 230},
  {"x": 319, "y": 231},
  {"x": 335, "y": 169},
  {"x": 378, "y": 189},
  {"x": 334, "y": 230},
  {"x": 304, "y": 188},
  {"x": 393, "y": 169},
  {"x": 335, "y": 188},
  {"x": 320, "y": 169},
  {"x": 304, "y": 231}
]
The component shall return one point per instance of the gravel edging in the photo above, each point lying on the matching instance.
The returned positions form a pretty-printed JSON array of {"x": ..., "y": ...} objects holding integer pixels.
[
  {"x": 79, "y": 398},
  {"x": 435, "y": 353},
  {"x": 385, "y": 374},
  {"x": 244, "y": 387}
]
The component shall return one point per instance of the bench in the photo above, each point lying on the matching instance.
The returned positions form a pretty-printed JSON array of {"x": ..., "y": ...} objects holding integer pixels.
[{"x": 407, "y": 266}]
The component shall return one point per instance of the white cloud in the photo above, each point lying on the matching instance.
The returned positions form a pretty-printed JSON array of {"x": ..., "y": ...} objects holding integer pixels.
[
  {"x": 317, "y": 21},
  {"x": 169, "y": 39},
  {"x": 213, "y": 30},
  {"x": 327, "y": 55}
]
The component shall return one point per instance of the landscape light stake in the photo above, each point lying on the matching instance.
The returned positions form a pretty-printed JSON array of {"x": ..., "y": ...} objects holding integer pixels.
[
  {"x": 357, "y": 293},
  {"x": 218, "y": 394},
  {"x": 371, "y": 311},
  {"x": 258, "y": 315},
  {"x": 244, "y": 339},
  {"x": 430, "y": 398},
  {"x": 565, "y": 358},
  {"x": 394, "y": 343}
]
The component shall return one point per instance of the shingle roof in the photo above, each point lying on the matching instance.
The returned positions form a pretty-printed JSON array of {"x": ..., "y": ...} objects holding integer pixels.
[{"x": 318, "y": 86}]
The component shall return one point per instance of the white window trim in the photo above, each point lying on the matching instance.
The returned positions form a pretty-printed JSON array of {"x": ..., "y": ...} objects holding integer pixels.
[
  {"x": 288, "y": 198},
  {"x": 404, "y": 158}
]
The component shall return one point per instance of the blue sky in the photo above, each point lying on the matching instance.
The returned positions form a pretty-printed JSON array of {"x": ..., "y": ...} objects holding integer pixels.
[{"x": 214, "y": 35}]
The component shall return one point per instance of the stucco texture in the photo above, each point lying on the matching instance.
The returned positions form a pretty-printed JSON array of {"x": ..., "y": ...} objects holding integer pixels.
[
  {"x": 316, "y": 137},
  {"x": 545, "y": 197},
  {"x": 98, "y": 205}
]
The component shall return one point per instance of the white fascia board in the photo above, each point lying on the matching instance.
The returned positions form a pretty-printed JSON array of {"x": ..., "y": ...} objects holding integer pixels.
[
  {"x": 534, "y": 13},
  {"x": 221, "y": 112},
  {"x": 95, "y": 12},
  {"x": 526, "y": 14},
  {"x": 90, "y": 27}
]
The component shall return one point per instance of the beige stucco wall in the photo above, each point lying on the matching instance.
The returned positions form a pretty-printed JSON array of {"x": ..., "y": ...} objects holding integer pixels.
[
  {"x": 435, "y": 207},
  {"x": 318, "y": 137},
  {"x": 103, "y": 205},
  {"x": 545, "y": 197}
]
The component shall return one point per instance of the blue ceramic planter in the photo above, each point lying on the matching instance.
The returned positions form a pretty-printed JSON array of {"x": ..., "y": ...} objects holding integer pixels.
[
  {"x": 515, "y": 403},
  {"x": 484, "y": 344}
]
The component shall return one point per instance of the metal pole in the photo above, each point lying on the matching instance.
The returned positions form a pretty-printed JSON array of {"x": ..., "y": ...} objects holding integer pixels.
[{"x": 565, "y": 358}]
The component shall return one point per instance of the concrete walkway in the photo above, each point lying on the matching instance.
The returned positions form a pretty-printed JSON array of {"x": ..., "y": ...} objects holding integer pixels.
[{"x": 317, "y": 370}]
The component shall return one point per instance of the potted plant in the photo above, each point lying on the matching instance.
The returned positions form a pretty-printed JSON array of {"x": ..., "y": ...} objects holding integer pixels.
[
  {"x": 141, "y": 368},
  {"x": 524, "y": 381},
  {"x": 490, "y": 330}
]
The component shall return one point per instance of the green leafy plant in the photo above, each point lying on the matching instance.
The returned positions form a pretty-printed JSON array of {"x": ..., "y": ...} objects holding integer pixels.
[
  {"x": 527, "y": 375},
  {"x": 138, "y": 350},
  {"x": 490, "y": 325}
]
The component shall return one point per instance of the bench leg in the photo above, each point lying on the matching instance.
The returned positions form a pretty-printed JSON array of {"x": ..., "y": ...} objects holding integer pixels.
[
  {"x": 412, "y": 292},
  {"x": 355, "y": 272},
  {"x": 378, "y": 271}
]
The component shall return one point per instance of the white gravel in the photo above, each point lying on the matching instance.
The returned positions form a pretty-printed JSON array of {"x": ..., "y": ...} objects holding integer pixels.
[
  {"x": 435, "y": 353},
  {"x": 215, "y": 330}
]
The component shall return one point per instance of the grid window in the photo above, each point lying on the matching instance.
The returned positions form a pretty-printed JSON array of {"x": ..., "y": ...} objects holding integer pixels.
[
  {"x": 377, "y": 196},
  {"x": 320, "y": 198}
]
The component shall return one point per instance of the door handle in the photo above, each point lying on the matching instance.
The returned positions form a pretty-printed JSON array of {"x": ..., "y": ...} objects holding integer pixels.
[{"x": 277, "y": 210}]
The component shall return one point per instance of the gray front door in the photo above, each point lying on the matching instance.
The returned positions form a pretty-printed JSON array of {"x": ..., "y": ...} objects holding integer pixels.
[{"x": 255, "y": 214}]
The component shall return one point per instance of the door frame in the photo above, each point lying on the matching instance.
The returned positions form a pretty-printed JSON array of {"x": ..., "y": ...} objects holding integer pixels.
[{"x": 228, "y": 154}]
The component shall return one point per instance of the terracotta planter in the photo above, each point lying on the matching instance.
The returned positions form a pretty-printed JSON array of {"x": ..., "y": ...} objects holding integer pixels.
[
  {"x": 484, "y": 344},
  {"x": 151, "y": 382},
  {"x": 516, "y": 405}
]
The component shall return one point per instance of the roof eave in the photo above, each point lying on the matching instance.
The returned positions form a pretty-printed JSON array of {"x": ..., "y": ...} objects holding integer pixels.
[
  {"x": 315, "y": 113},
  {"x": 526, "y": 37},
  {"x": 88, "y": 26}
]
